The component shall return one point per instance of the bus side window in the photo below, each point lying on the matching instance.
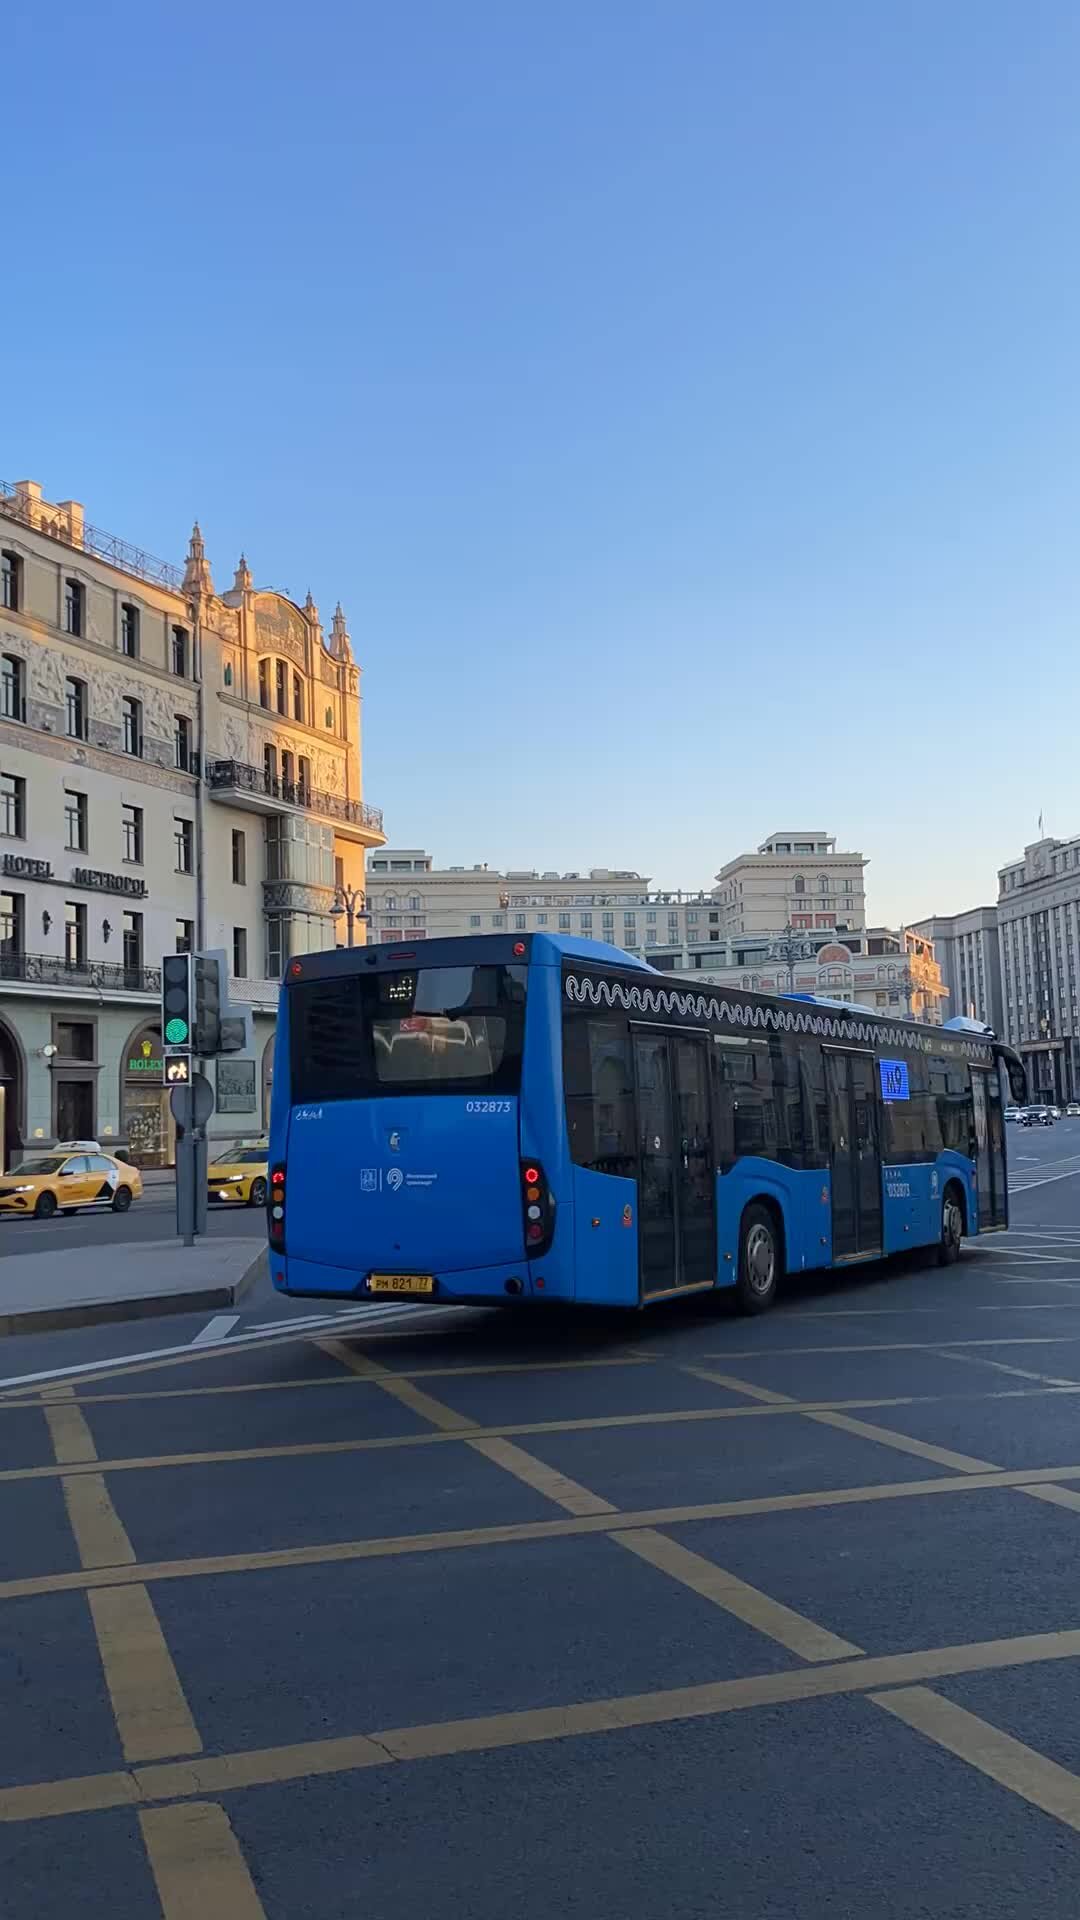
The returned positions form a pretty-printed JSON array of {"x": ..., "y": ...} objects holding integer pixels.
[
  {"x": 816, "y": 1101},
  {"x": 912, "y": 1130},
  {"x": 749, "y": 1097},
  {"x": 598, "y": 1075},
  {"x": 951, "y": 1088}
]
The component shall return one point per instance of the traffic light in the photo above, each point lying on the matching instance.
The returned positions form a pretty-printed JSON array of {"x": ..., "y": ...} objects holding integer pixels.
[
  {"x": 176, "y": 999},
  {"x": 211, "y": 996},
  {"x": 178, "y": 1070}
]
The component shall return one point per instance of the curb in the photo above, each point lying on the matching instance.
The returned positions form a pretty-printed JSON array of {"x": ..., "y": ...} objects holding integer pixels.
[{"x": 97, "y": 1313}]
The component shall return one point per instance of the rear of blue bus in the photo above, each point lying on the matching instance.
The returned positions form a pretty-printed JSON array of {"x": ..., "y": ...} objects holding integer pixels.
[{"x": 404, "y": 1157}]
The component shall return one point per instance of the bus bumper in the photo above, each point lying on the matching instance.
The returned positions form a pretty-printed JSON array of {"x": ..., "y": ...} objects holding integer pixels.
[{"x": 475, "y": 1286}]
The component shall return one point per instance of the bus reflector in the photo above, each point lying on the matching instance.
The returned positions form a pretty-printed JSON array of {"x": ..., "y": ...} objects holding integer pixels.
[{"x": 519, "y": 948}]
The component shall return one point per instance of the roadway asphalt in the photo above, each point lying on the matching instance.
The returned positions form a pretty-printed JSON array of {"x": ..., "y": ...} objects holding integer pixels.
[
  {"x": 400, "y": 1610},
  {"x": 151, "y": 1217}
]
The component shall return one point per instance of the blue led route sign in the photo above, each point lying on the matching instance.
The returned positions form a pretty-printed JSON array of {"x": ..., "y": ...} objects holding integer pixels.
[{"x": 894, "y": 1081}]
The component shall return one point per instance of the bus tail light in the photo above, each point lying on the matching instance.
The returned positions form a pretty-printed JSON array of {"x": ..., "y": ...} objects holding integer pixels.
[
  {"x": 538, "y": 1207},
  {"x": 275, "y": 1209}
]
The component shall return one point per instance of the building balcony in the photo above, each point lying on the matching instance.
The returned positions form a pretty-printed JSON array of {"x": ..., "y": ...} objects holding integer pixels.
[
  {"x": 235, "y": 785},
  {"x": 78, "y": 976}
]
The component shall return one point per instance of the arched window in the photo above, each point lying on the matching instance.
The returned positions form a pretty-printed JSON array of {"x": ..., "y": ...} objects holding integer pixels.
[
  {"x": 297, "y": 697},
  {"x": 264, "y": 683},
  {"x": 800, "y": 883}
]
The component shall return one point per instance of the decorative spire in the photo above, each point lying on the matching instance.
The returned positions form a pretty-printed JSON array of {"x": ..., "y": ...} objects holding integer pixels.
[
  {"x": 340, "y": 644},
  {"x": 311, "y": 609},
  {"x": 197, "y": 579},
  {"x": 242, "y": 582}
]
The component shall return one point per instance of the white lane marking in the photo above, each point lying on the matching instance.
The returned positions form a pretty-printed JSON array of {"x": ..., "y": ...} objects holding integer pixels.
[
  {"x": 281, "y": 1332},
  {"x": 216, "y": 1329},
  {"x": 1027, "y": 1185}
]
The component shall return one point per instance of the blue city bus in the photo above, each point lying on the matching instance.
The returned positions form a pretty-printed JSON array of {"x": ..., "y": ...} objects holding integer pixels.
[{"x": 497, "y": 1120}]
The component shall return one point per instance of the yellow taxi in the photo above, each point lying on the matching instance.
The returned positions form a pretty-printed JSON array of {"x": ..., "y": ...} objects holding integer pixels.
[
  {"x": 62, "y": 1180},
  {"x": 239, "y": 1175}
]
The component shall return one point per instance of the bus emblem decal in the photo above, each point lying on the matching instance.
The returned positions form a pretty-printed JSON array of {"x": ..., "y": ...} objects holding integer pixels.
[
  {"x": 395, "y": 1179},
  {"x": 394, "y": 1140}
]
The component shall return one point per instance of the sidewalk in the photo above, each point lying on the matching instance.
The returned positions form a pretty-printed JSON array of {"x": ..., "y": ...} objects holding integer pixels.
[{"x": 83, "y": 1286}]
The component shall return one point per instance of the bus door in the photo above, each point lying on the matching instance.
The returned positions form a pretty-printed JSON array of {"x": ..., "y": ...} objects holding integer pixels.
[
  {"x": 676, "y": 1162},
  {"x": 850, "y": 1080},
  {"x": 989, "y": 1149}
]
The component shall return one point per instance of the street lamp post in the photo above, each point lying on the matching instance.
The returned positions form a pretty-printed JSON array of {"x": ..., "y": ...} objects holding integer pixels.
[
  {"x": 350, "y": 901},
  {"x": 789, "y": 948}
]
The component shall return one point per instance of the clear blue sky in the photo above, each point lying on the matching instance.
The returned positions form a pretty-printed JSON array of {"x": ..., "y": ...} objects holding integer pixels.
[{"x": 682, "y": 396}]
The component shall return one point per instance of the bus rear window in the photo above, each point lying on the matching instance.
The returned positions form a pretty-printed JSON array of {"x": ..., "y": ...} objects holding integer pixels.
[{"x": 429, "y": 1030}]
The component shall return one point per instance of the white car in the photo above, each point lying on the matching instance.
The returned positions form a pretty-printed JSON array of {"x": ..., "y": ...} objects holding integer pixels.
[
  {"x": 1013, "y": 1113},
  {"x": 1072, "y": 1111}
]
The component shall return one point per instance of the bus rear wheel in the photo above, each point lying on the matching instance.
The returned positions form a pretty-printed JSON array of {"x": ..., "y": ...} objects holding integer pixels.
[
  {"x": 952, "y": 1227},
  {"x": 759, "y": 1260}
]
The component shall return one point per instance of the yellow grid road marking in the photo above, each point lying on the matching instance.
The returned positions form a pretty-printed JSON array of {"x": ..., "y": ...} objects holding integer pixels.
[
  {"x": 347, "y": 1380},
  {"x": 152, "y": 1715},
  {"x": 904, "y": 1443},
  {"x": 514, "y": 1533},
  {"x": 547, "y": 1480},
  {"x": 1012, "y": 1764},
  {"x": 72, "y": 1440},
  {"x": 726, "y": 1590},
  {"x": 198, "y": 1869},
  {"x": 100, "y": 1536},
  {"x": 678, "y": 1416},
  {"x": 664, "y": 1706}
]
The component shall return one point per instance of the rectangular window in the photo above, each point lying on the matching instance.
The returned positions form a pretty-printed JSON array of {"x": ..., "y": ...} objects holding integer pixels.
[
  {"x": 303, "y": 780},
  {"x": 11, "y": 926},
  {"x": 598, "y": 1076},
  {"x": 474, "y": 919},
  {"x": 297, "y": 697},
  {"x": 74, "y": 1039},
  {"x": 12, "y": 687},
  {"x": 178, "y": 651},
  {"x": 339, "y": 873},
  {"x": 133, "y": 835},
  {"x": 607, "y": 921},
  {"x": 264, "y": 686},
  {"x": 280, "y": 686},
  {"x": 184, "y": 842},
  {"x": 497, "y": 919},
  {"x": 541, "y": 919},
  {"x": 182, "y": 738},
  {"x": 585, "y": 922},
  {"x": 270, "y": 769},
  {"x": 133, "y": 942},
  {"x": 239, "y": 857},
  {"x": 564, "y": 923},
  {"x": 431, "y": 1030},
  {"x": 74, "y": 606},
  {"x": 185, "y": 936},
  {"x": 10, "y": 571},
  {"x": 519, "y": 923},
  {"x": 75, "y": 822},
  {"x": 288, "y": 775},
  {"x": 129, "y": 630},
  {"x": 132, "y": 717},
  {"x": 13, "y": 805},
  {"x": 76, "y": 708},
  {"x": 239, "y": 953},
  {"x": 74, "y": 933},
  {"x": 629, "y": 921}
]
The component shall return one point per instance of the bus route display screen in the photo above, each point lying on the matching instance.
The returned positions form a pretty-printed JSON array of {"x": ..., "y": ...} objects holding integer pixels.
[{"x": 894, "y": 1079}]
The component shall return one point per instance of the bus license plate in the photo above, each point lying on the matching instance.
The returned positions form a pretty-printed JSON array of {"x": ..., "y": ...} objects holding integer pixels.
[{"x": 401, "y": 1283}]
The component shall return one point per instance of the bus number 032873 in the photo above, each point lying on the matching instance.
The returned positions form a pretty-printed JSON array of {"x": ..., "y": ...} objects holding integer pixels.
[{"x": 489, "y": 1106}]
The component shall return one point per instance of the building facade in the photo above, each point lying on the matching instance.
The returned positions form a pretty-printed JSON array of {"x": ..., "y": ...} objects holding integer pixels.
[
  {"x": 814, "y": 896},
  {"x": 966, "y": 948},
  {"x": 797, "y": 879},
  {"x": 1038, "y": 919},
  {"x": 179, "y": 769}
]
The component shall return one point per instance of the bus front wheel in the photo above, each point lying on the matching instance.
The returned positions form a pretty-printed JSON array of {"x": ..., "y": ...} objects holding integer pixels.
[
  {"x": 952, "y": 1227},
  {"x": 759, "y": 1260}
]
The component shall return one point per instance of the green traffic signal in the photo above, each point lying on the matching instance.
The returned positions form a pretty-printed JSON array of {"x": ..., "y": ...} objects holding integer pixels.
[{"x": 176, "y": 1031}]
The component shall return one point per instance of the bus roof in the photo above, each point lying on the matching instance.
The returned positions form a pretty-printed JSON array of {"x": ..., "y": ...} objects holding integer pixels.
[{"x": 469, "y": 949}]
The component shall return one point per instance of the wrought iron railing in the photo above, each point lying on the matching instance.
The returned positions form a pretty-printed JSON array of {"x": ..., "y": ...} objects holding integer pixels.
[
  {"x": 55, "y": 970},
  {"x": 107, "y": 546},
  {"x": 222, "y": 774}
]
